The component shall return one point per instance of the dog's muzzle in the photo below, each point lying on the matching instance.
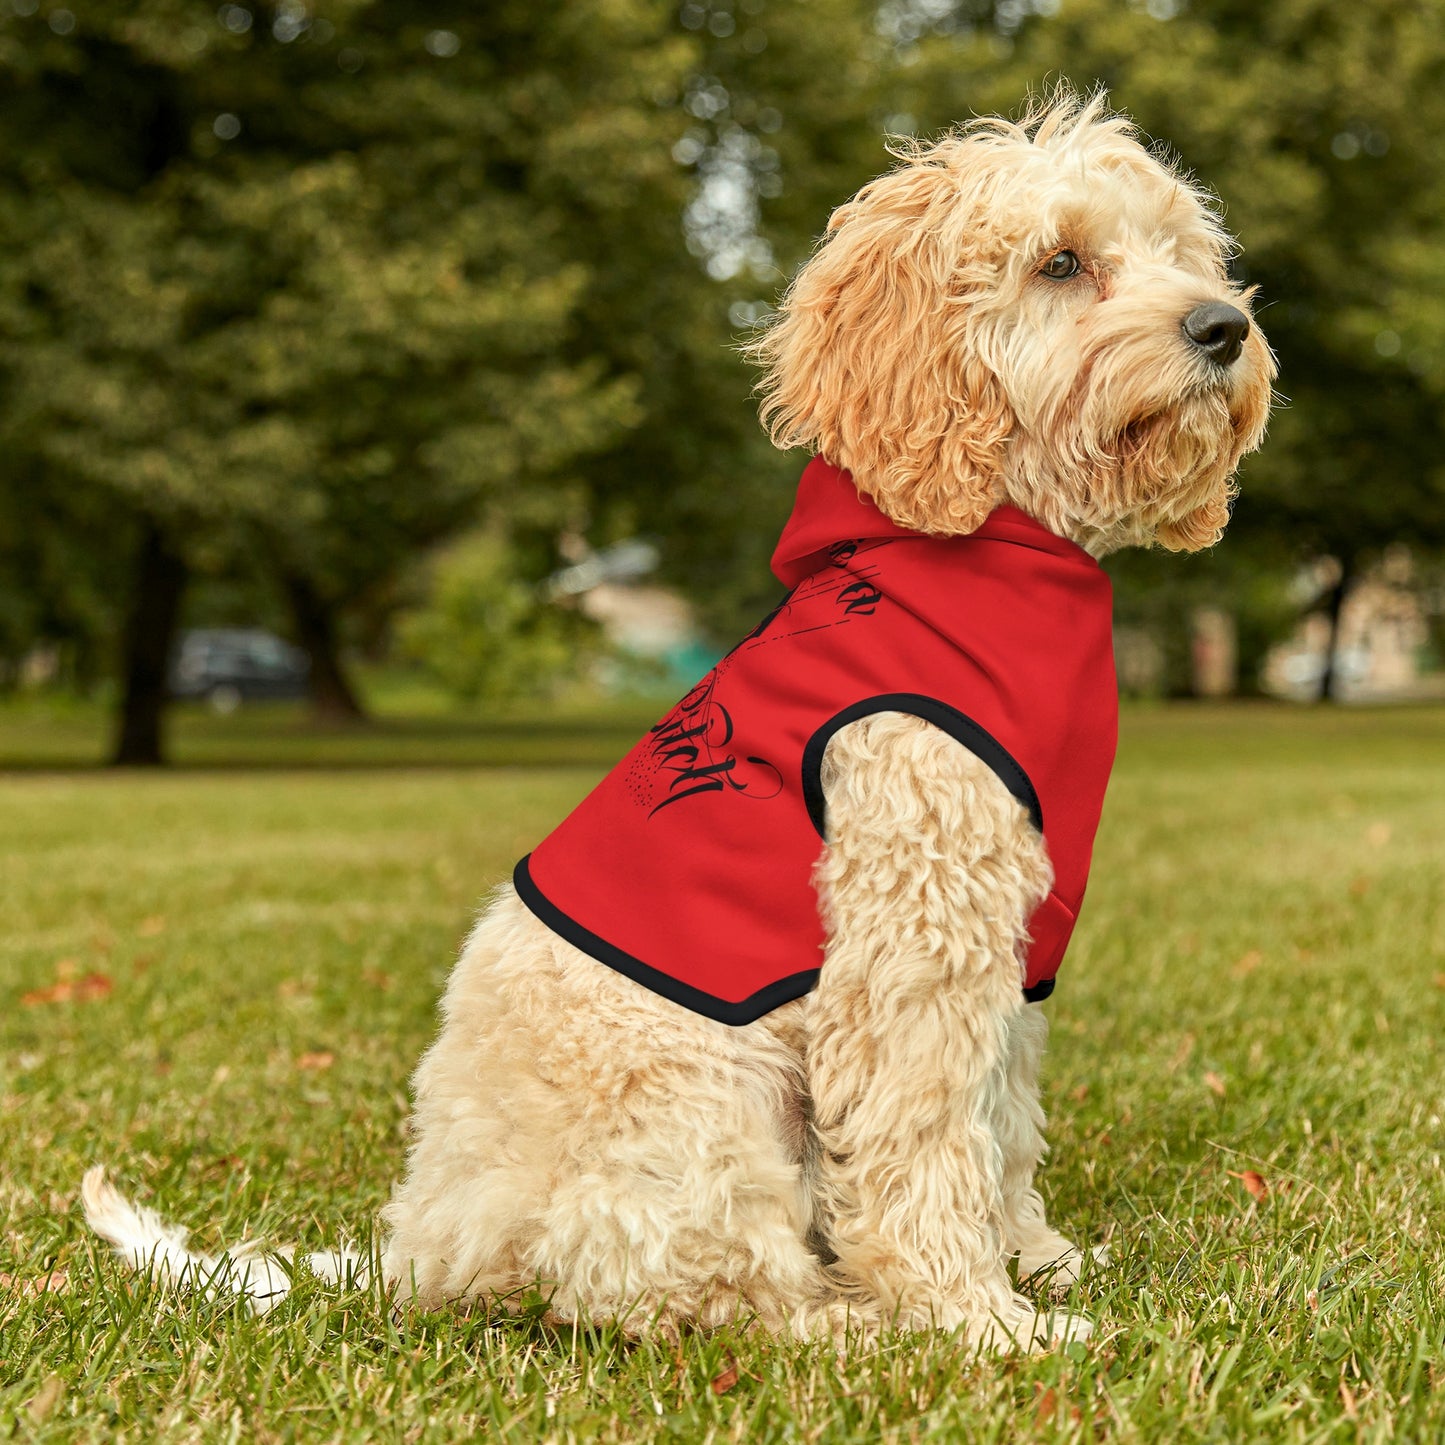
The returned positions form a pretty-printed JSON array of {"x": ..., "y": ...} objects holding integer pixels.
[{"x": 1218, "y": 330}]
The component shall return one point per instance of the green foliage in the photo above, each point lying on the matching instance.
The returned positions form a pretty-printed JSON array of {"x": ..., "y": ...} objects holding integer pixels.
[
  {"x": 309, "y": 286},
  {"x": 776, "y": 119},
  {"x": 357, "y": 291},
  {"x": 313, "y": 287},
  {"x": 1160, "y": 593},
  {"x": 485, "y": 633},
  {"x": 62, "y": 552},
  {"x": 317, "y": 286}
]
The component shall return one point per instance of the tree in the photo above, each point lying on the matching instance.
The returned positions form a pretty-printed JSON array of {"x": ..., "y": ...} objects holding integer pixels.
[
  {"x": 305, "y": 289},
  {"x": 300, "y": 292}
]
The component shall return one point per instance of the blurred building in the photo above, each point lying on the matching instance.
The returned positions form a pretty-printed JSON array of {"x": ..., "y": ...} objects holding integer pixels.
[
  {"x": 1382, "y": 651},
  {"x": 653, "y": 631}
]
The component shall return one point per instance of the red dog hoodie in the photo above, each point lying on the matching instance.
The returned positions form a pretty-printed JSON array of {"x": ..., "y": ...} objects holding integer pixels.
[{"x": 689, "y": 868}]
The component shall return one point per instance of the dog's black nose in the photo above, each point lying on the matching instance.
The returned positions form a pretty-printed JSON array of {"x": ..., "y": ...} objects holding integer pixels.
[{"x": 1218, "y": 331}]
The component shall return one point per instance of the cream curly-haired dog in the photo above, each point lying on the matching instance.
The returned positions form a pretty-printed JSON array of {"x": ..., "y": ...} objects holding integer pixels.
[{"x": 1033, "y": 315}]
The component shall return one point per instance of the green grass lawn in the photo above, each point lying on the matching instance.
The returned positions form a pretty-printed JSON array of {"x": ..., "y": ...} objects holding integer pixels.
[{"x": 216, "y": 980}]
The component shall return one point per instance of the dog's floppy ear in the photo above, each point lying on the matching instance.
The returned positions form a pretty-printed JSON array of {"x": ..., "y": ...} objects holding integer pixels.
[{"x": 872, "y": 360}]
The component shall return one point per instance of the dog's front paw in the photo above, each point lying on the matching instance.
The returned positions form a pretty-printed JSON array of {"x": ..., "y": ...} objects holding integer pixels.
[
  {"x": 1023, "y": 1326},
  {"x": 1057, "y": 1265}
]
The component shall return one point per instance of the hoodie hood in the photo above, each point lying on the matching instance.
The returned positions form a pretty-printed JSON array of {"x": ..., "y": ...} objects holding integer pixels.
[{"x": 829, "y": 509}]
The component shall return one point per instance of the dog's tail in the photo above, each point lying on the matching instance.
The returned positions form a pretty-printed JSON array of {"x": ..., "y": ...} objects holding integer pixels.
[{"x": 147, "y": 1243}]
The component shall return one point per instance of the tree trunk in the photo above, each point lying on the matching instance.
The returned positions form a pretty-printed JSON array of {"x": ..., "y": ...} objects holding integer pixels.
[
  {"x": 333, "y": 699},
  {"x": 150, "y": 630},
  {"x": 1329, "y": 678}
]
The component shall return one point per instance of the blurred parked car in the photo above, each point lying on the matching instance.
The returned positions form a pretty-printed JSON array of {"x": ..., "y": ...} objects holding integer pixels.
[{"x": 230, "y": 665}]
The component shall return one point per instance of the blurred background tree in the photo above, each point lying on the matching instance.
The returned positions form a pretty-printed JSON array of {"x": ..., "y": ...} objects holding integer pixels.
[
  {"x": 310, "y": 290},
  {"x": 294, "y": 293},
  {"x": 484, "y": 632}
]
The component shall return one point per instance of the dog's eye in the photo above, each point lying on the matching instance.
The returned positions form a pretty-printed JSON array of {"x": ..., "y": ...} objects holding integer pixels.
[{"x": 1060, "y": 266}]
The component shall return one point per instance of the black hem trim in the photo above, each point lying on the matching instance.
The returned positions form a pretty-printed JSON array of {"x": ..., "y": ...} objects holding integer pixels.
[
  {"x": 957, "y": 725},
  {"x": 746, "y": 1011},
  {"x": 1040, "y": 991}
]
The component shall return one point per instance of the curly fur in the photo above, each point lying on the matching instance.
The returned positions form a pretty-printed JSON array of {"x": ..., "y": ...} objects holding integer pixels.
[
  {"x": 651, "y": 1165},
  {"x": 921, "y": 349},
  {"x": 866, "y": 1155}
]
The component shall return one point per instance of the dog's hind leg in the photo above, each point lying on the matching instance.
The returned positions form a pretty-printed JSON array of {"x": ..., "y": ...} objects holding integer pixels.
[
  {"x": 927, "y": 883},
  {"x": 577, "y": 1135},
  {"x": 678, "y": 1196}
]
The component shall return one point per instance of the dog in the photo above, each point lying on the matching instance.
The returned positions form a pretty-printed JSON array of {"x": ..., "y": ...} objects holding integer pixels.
[{"x": 1015, "y": 352}]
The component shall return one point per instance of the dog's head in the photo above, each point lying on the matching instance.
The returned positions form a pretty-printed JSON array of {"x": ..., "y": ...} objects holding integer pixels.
[{"x": 1036, "y": 313}]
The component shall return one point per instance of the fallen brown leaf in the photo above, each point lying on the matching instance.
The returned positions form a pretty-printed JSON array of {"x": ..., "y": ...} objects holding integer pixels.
[
  {"x": 1359, "y": 887},
  {"x": 56, "y": 993},
  {"x": 1254, "y": 1183},
  {"x": 82, "y": 990},
  {"x": 320, "y": 1059},
  {"x": 151, "y": 927},
  {"x": 377, "y": 978},
  {"x": 1214, "y": 1083},
  {"x": 56, "y": 1282},
  {"x": 1080, "y": 1094},
  {"x": 1440, "y": 980},
  {"x": 1248, "y": 963},
  {"x": 1046, "y": 1408},
  {"x": 724, "y": 1382}
]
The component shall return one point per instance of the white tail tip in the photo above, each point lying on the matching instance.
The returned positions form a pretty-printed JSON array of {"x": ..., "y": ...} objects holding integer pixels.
[{"x": 147, "y": 1243}]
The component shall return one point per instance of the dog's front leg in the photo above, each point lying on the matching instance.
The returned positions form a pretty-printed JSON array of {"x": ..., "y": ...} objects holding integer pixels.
[
  {"x": 1019, "y": 1127},
  {"x": 929, "y": 877}
]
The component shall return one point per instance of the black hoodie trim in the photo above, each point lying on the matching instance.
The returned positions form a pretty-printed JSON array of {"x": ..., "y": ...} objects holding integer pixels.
[
  {"x": 957, "y": 725},
  {"x": 745, "y": 1011},
  {"x": 784, "y": 990}
]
